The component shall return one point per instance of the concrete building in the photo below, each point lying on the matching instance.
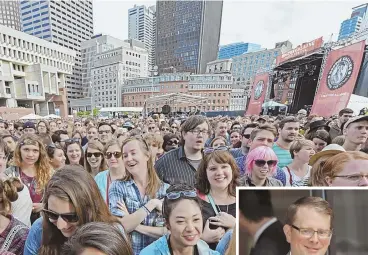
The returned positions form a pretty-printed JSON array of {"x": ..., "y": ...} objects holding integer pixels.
[
  {"x": 66, "y": 23},
  {"x": 219, "y": 66},
  {"x": 236, "y": 49},
  {"x": 355, "y": 23},
  {"x": 182, "y": 91},
  {"x": 188, "y": 35},
  {"x": 33, "y": 72},
  {"x": 142, "y": 27},
  {"x": 9, "y": 14},
  {"x": 111, "y": 68}
]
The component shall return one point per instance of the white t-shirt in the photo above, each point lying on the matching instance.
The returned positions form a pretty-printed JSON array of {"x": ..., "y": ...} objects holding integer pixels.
[
  {"x": 22, "y": 207},
  {"x": 296, "y": 180}
]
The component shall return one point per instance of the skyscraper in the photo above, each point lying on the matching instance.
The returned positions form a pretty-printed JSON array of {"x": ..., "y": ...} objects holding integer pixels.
[
  {"x": 355, "y": 23},
  {"x": 66, "y": 23},
  {"x": 236, "y": 49},
  {"x": 142, "y": 27},
  {"x": 187, "y": 34},
  {"x": 9, "y": 14}
]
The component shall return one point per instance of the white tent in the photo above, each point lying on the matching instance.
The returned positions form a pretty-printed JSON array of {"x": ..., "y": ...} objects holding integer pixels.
[
  {"x": 52, "y": 116},
  {"x": 272, "y": 104},
  {"x": 31, "y": 116},
  {"x": 356, "y": 103}
]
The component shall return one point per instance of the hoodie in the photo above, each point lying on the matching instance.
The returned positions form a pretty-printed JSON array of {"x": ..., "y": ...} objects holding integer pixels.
[{"x": 160, "y": 247}]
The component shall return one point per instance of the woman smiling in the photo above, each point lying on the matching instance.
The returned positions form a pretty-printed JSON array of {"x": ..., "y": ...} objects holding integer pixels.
[
  {"x": 74, "y": 155},
  {"x": 94, "y": 160}
]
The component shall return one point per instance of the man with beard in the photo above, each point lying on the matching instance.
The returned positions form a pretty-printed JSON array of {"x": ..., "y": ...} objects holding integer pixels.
[
  {"x": 105, "y": 132},
  {"x": 244, "y": 149},
  {"x": 288, "y": 131},
  {"x": 220, "y": 130}
]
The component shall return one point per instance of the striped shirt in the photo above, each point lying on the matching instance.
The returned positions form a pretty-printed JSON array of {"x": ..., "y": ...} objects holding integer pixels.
[
  {"x": 175, "y": 168},
  {"x": 283, "y": 156},
  {"x": 127, "y": 192}
]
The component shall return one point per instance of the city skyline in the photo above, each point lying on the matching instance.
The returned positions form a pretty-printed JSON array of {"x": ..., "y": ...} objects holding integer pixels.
[{"x": 111, "y": 17}]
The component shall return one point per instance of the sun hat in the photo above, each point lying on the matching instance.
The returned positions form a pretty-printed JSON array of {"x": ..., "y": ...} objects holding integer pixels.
[{"x": 332, "y": 149}]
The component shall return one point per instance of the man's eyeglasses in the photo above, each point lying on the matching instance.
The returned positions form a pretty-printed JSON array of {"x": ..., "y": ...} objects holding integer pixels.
[
  {"x": 246, "y": 136},
  {"x": 95, "y": 154},
  {"x": 211, "y": 149},
  {"x": 71, "y": 140},
  {"x": 117, "y": 154},
  {"x": 165, "y": 129},
  {"x": 198, "y": 131},
  {"x": 177, "y": 194},
  {"x": 261, "y": 162},
  {"x": 104, "y": 132},
  {"x": 353, "y": 177},
  {"x": 151, "y": 128},
  {"x": 174, "y": 127},
  {"x": 308, "y": 232},
  {"x": 68, "y": 217}
]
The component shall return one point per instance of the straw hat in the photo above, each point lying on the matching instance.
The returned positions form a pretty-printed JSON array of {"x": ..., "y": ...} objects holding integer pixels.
[{"x": 332, "y": 149}]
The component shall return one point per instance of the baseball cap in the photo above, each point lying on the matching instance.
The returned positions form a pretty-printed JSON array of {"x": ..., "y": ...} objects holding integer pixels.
[
  {"x": 29, "y": 124},
  {"x": 355, "y": 119},
  {"x": 332, "y": 149}
]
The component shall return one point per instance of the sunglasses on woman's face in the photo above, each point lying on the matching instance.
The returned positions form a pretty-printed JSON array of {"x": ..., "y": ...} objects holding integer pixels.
[
  {"x": 95, "y": 154},
  {"x": 261, "y": 162},
  {"x": 117, "y": 154},
  {"x": 68, "y": 217},
  {"x": 173, "y": 142}
]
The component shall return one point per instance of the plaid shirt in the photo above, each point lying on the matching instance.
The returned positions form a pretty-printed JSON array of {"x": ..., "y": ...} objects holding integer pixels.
[{"x": 127, "y": 191}]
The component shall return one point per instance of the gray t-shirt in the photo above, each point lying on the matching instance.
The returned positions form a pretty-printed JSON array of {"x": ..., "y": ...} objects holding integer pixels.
[{"x": 194, "y": 162}]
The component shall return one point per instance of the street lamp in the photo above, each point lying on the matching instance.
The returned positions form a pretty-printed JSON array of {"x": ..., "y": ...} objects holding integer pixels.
[
  {"x": 91, "y": 86},
  {"x": 153, "y": 73}
]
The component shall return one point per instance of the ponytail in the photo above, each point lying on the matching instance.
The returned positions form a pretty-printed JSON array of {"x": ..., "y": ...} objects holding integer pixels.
[{"x": 9, "y": 192}]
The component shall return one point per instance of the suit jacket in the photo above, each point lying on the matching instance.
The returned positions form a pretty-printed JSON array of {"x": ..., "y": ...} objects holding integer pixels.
[{"x": 272, "y": 241}]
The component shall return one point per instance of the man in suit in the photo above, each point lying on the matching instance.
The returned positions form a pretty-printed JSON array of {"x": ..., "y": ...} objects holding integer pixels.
[
  {"x": 256, "y": 216},
  {"x": 308, "y": 226}
]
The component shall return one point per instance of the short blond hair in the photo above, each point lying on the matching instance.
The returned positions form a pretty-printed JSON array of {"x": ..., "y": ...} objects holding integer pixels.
[
  {"x": 298, "y": 144},
  {"x": 154, "y": 140}
]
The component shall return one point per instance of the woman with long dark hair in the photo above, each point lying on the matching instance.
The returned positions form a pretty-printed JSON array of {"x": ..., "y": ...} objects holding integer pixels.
[{"x": 71, "y": 200}]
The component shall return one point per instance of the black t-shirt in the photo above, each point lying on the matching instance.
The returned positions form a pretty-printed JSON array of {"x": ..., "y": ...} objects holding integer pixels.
[{"x": 207, "y": 212}]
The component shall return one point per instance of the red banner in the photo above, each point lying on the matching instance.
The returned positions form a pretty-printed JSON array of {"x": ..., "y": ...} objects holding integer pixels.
[
  {"x": 301, "y": 50},
  {"x": 338, "y": 79},
  {"x": 258, "y": 94}
]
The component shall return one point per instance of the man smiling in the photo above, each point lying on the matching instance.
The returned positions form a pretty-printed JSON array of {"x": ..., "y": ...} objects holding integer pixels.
[{"x": 308, "y": 226}]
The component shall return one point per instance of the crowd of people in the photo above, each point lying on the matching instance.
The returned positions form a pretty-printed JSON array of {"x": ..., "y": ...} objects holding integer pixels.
[{"x": 160, "y": 185}]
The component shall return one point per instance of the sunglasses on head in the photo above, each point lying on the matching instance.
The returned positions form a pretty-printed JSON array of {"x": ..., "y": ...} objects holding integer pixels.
[
  {"x": 261, "y": 162},
  {"x": 175, "y": 142},
  {"x": 117, "y": 154},
  {"x": 177, "y": 194},
  {"x": 95, "y": 154},
  {"x": 68, "y": 217}
]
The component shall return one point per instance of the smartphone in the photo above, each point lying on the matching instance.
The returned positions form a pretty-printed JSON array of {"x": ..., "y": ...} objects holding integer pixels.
[{"x": 212, "y": 226}]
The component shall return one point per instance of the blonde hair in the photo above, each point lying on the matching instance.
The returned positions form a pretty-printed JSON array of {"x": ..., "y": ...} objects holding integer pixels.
[
  {"x": 231, "y": 249},
  {"x": 154, "y": 140},
  {"x": 43, "y": 167},
  {"x": 333, "y": 165},
  {"x": 154, "y": 181},
  {"x": 298, "y": 144}
]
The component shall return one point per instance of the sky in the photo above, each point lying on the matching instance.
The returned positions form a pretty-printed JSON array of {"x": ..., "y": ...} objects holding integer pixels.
[{"x": 261, "y": 22}]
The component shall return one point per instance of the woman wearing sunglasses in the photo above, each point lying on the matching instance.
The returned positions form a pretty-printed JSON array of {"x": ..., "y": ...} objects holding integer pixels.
[
  {"x": 74, "y": 152},
  {"x": 116, "y": 169},
  {"x": 94, "y": 160},
  {"x": 32, "y": 166},
  {"x": 13, "y": 233},
  {"x": 71, "y": 200},
  {"x": 217, "y": 178},
  {"x": 136, "y": 198},
  {"x": 97, "y": 238},
  {"x": 261, "y": 164},
  {"x": 183, "y": 217},
  {"x": 56, "y": 155},
  {"x": 171, "y": 142}
]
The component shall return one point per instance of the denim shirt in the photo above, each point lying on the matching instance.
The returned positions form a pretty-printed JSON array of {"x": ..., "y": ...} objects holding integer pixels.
[{"x": 33, "y": 242}]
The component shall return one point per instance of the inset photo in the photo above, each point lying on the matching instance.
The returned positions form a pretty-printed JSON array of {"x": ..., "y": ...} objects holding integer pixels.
[{"x": 302, "y": 221}]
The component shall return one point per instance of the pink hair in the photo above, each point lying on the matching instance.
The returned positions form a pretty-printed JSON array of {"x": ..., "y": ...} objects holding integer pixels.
[{"x": 260, "y": 153}]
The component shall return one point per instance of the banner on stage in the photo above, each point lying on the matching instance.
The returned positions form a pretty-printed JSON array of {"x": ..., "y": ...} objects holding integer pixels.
[
  {"x": 258, "y": 94},
  {"x": 338, "y": 79}
]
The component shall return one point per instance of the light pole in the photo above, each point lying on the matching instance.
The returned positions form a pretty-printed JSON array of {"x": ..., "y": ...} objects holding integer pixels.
[
  {"x": 153, "y": 73},
  {"x": 91, "y": 86}
]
